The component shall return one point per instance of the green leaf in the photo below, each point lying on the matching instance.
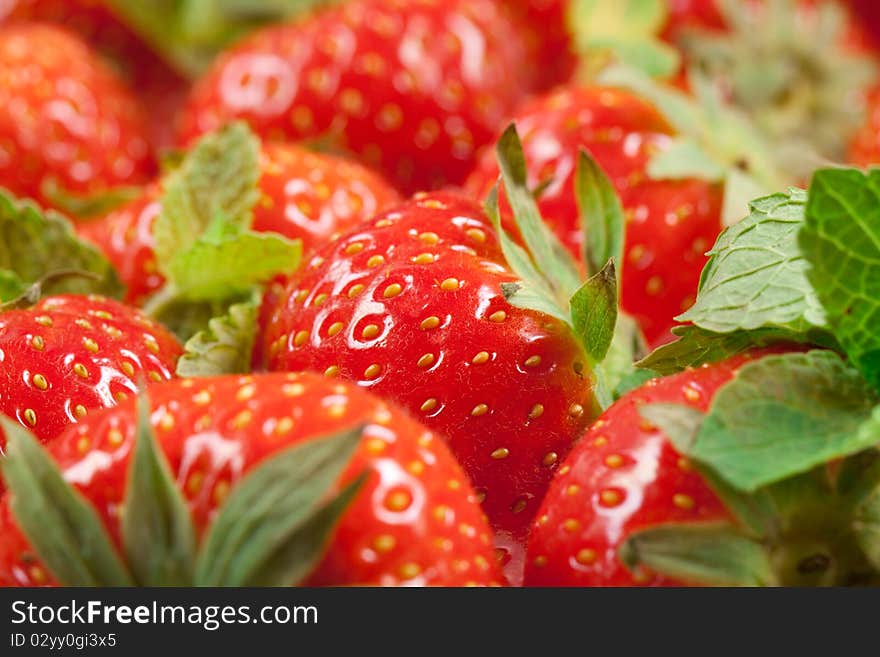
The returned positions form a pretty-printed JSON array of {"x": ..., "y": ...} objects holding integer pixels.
[
  {"x": 186, "y": 318},
  {"x": 710, "y": 554},
  {"x": 627, "y": 344},
  {"x": 217, "y": 178},
  {"x": 841, "y": 243},
  {"x": 232, "y": 264},
  {"x": 87, "y": 206},
  {"x": 157, "y": 529},
  {"x": 276, "y": 521},
  {"x": 696, "y": 346},
  {"x": 632, "y": 381},
  {"x": 525, "y": 295},
  {"x": 61, "y": 525},
  {"x": 11, "y": 286},
  {"x": 594, "y": 312},
  {"x": 784, "y": 414},
  {"x": 683, "y": 159},
  {"x": 627, "y": 30},
  {"x": 756, "y": 273},
  {"x": 225, "y": 347},
  {"x": 866, "y": 526},
  {"x": 549, "y": 257},
  {"x": 601, "y": 214},
  {"x": 34, "y": 245},
  {"x": 681, "y": 424}
]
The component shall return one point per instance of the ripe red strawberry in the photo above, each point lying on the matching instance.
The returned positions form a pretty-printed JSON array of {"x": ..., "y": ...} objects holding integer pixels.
[
  {"x": 155, "y": 83},
  {"x": 305, "y": 195},
  {"x": 623, "y": 476},
  {"x": 410, "y": 306},
  {"x": 69, "y": 355},
  {"x": 864, "y": 150},
  {"x": 548, "y": 38},
  {"x": 414, "y": 521},
  {"x": 413, "y": 88},
  {"x": 66, "y": 119},
  {"x": 670, "y": 223}
]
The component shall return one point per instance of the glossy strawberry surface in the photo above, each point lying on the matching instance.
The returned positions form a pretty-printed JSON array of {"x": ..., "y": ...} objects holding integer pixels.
[
  {"x": 412, "y": 88},
  {"x": 414, "y": 522},
  {"x": 65, "y": 117},
  {"x": 624, "y": 475},
  {"x": 670, "y": 224},
  {"x": 69, "y": 355},
  {"x": 410, "y": 306},
  {"x": 545, "y": 25},
  {"x": 154, "y": 82},
  {"x": 304, "y": 195}
]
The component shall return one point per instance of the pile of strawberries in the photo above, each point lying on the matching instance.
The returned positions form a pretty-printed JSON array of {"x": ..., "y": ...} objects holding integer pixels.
[{"x": 437, "y": 292}]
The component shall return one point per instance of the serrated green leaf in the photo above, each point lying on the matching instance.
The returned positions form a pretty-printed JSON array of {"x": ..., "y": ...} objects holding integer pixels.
[
  {"x": 711, "y": 554},
  {"x": 784, "y": 414},
  {"x": 696, "y": 346},
  {"x": 36, "y": 244},
  {"x": 682, "y": 159},
  {"x": 756, "y": 273},
  {"x": 601, "y": 214},
  {"x": 841, "y": 243},
  {"x": 61, "y": 525},
  {"x": 273, "y": 525},
  {"x": 157, "y": 529},
  {"x": 225, "y": 347},
  {"x": 218, "y": 177},
  {"x": 548, "y": 255},
  {"x": 216, "y": 269},
  {"x": 594, "y": 312}
]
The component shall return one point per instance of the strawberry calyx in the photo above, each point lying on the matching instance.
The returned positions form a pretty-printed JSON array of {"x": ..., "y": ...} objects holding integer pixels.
[
  {"x": 40, "y": 254},
  {"x": 271, "y": 530},
  {"x": 204, "y": 244},
  {"x": 83, "y": 207},
  {"x": 790, "y": 68},
  {"x": 790, "y": 443},
  {"x": 550, "y": 280}
]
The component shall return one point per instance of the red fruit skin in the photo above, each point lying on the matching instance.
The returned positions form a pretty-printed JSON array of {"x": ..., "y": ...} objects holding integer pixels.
[
  {"x": 414, "y": 522},
  {"x": 670, "y": 224},
  {"x": 65, "y": 115},
  {"x": 304, "y": 195},
  {"x": 411, "y": 88},
  {"x": 864, "y": 150},
  {"x": 156, "y": 84},
  {"x": 621, "y": 477},
  {"x": 69, "y": 355},
  {"x": 545, "y": 25},
  {"x": 508, "y": 388}
]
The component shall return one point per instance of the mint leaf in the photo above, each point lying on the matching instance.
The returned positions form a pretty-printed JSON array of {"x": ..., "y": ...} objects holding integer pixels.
[
  {"x": 217, "y": 178},
  {"x": 62, "y": 526},
  {"x": 594, "y": 312},
  {"x": 601, "y": 214},
  {"x": 784, "y": 414},
  {"x": 225, "y": 347},
  {"x": 841, "y": 243},
  {"x": 756, "y": 273},
  {"x": 696, "y": 346},
  {"x": 157, "y": 529},
  {"x": 215, "y": 269},
  {"x": 711, "y": 554},
  {"x": 276, "y": 521},
  {"x": 36, "y": 246}
]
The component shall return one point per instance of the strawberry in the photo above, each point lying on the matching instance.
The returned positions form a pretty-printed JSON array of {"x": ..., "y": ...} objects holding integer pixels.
[
  {"x": 412, "y": 88},
  {"x": 670, "y": 223},
  {"x": 304, "y": 195},
  {"x": 68, "y": 125},
  {"x": 864, "y": 150},
  {"x": 411, "y": 521},
  {"x": 155, "y": 83},
  {"x": 412, "y": 305},
  {"x": 624, "y": 476},
  {"x": 548, "y": 39},
  {"x": 71, "y": 354}
]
